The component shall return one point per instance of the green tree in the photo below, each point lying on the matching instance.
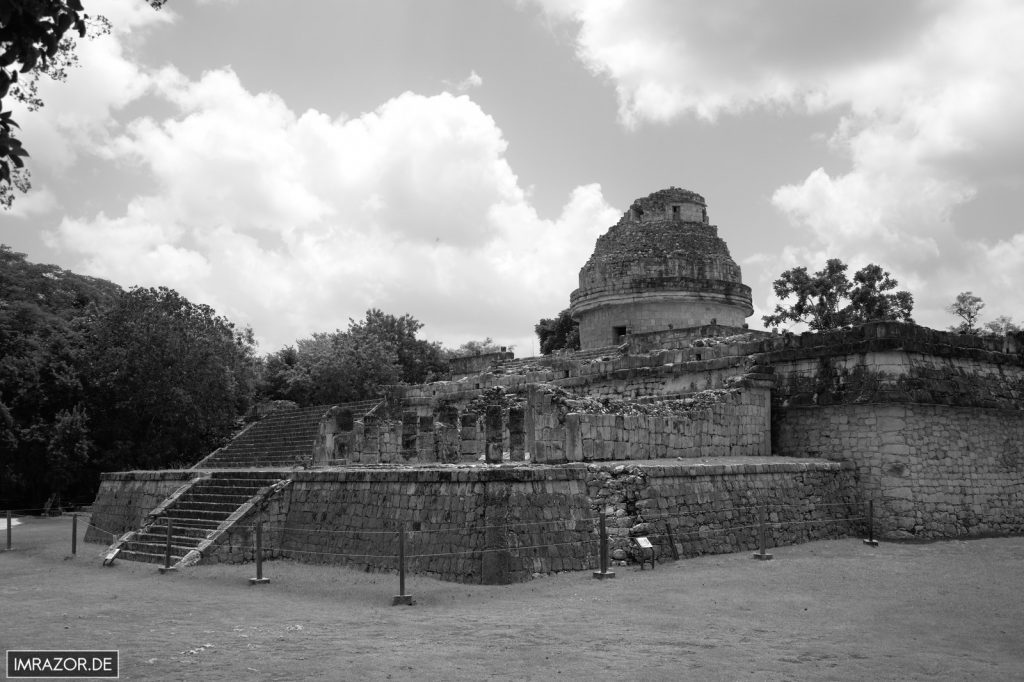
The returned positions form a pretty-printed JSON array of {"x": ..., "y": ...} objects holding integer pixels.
[
  {"x": 418, "y": 360},
  {"x": 827, "y": 299},
  {"x": 166, "y": 379},
  {"x": 558, "y": 333},
  {"x": 355, "y": 364},
  {"x": 44, "y": 437},
  {"x": 967, "y": 307},
  {"x": 1000, "y": 326},
  {"x": 473, "y": 348}
]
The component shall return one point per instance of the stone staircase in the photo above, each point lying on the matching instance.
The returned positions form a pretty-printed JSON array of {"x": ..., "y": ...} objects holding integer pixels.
[
  {"x": 200, "y": 512},
  {"x": 281, "y": 439}
]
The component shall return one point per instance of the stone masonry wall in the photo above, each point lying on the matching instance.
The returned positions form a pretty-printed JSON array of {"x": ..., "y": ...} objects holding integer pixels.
[
  {"x": 125, "y": 497},
  {"x": 693, "y": 508},
  {"x": 469, "y": 525},
  {"x": 504, "y": 524},
  {"x": 932, "y": 470},
  {"x": 726, "y": 422}
]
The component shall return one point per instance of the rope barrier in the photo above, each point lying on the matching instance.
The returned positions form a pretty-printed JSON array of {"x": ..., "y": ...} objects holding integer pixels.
[
  {"x": 453, "y": 528},
  {"x": 424, "y": 555}
]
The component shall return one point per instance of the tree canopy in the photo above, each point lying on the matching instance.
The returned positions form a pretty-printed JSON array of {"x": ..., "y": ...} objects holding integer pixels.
[
  {"x": 44, "y": 415},
  {"x": 968, "y": 308},
  {"x": 166, "y": 377},
  {"x": 350, "y": 365},
  {"x": 93, "y": 378},
  {"x": 827, "y": 299},
  {"x": 484, "y": 347},
  {"x": 558, "y": 333}
]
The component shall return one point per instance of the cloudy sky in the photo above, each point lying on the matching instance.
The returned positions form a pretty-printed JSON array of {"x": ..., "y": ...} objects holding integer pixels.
[{"x": 294, "y": 164}]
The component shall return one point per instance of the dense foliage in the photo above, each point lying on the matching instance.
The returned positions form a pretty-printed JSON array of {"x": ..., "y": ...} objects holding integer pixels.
[
  {"x": 827, "y": 299},
  {"x": 474, "y": 348},
  {"x": 93, "y": 378},
  {"x": 558, "y": 333},
  {"x": 354, "y": 364},
  {"x": 166, "y": 379}
]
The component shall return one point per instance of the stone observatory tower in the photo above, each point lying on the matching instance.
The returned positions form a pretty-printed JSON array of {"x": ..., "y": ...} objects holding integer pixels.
[{"x": 662, "y": 266}]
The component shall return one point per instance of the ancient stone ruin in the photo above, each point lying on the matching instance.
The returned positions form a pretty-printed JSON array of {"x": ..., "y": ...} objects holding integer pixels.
[
  {"x": 662, "y": 267},
  {"x": 674, "y": 421}
]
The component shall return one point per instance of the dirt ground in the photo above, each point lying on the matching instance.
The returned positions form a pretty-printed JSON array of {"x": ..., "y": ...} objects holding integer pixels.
[{"x": 835, "y": 610}]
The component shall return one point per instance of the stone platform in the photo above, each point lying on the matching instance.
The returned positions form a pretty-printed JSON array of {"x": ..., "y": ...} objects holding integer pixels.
[{"x": 497, "y": 524}]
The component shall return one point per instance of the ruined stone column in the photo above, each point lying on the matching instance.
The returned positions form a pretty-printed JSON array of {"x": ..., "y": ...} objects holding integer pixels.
[
  {"x": 371, "y": 440},
  {"x": 343, "y": 441},
  {"x": 425, "y": 439},
  {"x": 496, "y": 560},
  {"x": 470, "y": 450},
  {"x": 517, "y": 434},
  {"x": 409, "y": 426},
  {"x": 446, "y": 434},
  {"x": 493, "y": 433}
]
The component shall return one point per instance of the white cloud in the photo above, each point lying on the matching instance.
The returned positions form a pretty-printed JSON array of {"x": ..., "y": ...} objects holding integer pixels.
[
  {"x": 293, "y": 223},
  {"x": 40, "y": 199},
  {"x": 928, "y": 92},
  {"x": 473, "y": 80},
  {"x": 77, "y": 114}
]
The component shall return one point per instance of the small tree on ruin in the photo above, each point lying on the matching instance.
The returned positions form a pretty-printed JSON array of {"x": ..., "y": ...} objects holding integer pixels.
[
  {"x": 967, "y": 307},
  {"x": 557, "y": 333}
]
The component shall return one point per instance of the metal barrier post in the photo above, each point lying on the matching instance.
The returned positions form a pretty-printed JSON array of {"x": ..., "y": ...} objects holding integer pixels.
[
  {"x": 604, "y": 572},
  {"x": 402, "y": 597},
  {"x": 8, "y": 529},
  {"x": 259, "y": 579},
  {"x": 74, "y": 534},
  {"x": 166, "y": 568},
  {"x": 871, "y": 541},
  {"x": 762, "y": 554}
]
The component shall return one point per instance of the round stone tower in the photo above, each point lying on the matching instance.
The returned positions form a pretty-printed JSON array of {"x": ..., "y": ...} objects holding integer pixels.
[{"x": 662, "y": 266}]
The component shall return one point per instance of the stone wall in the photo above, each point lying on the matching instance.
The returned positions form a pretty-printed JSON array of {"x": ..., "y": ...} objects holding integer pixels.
[
  {"x": 475, "y": 364},
  {"x": 468, "y": 525},
  {"x": 932, "y": 470},
  {"x": 692, "y": 508},
  {"x": 125, "y": 497},
  {"x": 718, "y": 423},
  {"x": 506, "y": 524},
  {"x": 705, "y": 301},
  {"x": 640, "y": 343}
]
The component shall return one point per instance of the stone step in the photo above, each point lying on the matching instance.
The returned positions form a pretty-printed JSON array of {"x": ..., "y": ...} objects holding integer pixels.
[
  {"x": 197, "y": 505},
  {"x": 179, "y": 534},
  {"x": 158, "y": 548},
  {"x": 242, "y": 486},
  {"x": 259, "y": 463},
  {"x": 236, "y": 499},
  {"x": 147, "y": 557},
  {"x": 248, "y": 453},
  {"x": 183, "y": 522},
  {"x": 274, "y": 438},
  {"x": 262, "y": 440},
  {"x": 233, "y": 486},
  {"x": 198, "y": 514},
  {"x": 244, "y": 476}
]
